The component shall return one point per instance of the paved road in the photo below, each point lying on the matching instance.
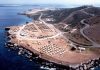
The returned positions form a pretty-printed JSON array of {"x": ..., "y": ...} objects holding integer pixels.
[
  {"x": 82, "y": 32},
  {"x": 83, "y": 10},
  {"x": 25, "y": 38},
  {"x": 87, "y": 26}
]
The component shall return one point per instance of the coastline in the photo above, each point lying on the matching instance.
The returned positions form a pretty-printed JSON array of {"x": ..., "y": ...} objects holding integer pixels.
[
  {"x": 44, "y": 56},
  {"x": 14, "y": 41}
]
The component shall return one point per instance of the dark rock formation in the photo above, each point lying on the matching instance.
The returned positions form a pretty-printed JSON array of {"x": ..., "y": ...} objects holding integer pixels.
[{"x": 7, "y": 28}]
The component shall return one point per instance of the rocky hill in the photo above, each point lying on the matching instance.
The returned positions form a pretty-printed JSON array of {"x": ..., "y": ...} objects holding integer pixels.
[{"x": 68, "y": 15}]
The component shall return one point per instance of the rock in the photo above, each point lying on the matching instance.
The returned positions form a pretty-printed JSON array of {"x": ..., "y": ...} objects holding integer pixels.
[
  {"x": 7, "y": 28},
  {"x": 7, "y": 33}
]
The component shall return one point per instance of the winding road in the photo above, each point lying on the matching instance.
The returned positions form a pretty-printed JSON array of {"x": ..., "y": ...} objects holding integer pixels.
[
  {"x": 60, "y": 33},
  {"x": 82, "y": 32}
]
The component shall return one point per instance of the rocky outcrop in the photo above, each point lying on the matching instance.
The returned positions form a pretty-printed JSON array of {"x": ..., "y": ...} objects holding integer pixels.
[
  {"x": 91, "y": 64},
  {"x": 7, "y": 28}
]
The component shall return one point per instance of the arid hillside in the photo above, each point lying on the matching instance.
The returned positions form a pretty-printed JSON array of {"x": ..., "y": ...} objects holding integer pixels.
[
  {"x": 68, "y": 20},
  {"x": 93, "y": 31}
]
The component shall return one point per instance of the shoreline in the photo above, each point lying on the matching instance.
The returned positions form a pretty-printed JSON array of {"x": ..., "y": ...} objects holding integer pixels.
[
  {"x": 23, "y": 42},
  {"x": 39, "y": 54}
]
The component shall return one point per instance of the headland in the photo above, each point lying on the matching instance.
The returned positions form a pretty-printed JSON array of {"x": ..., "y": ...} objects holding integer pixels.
[{"x": 49, "y": 43}]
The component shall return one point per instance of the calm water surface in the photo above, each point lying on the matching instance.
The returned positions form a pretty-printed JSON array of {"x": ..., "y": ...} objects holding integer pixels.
[{"x": 9, "y": 60}]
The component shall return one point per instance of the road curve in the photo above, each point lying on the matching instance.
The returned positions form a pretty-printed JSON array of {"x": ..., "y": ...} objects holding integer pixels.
[
  {"x": 82, "y": 32},
  {"x": 20, "y": 37}
]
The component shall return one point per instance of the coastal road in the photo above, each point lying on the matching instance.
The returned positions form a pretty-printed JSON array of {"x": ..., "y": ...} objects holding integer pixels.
[
  {"x": 18, "y": 33},
  {"x": 25, "y": 38},
  {"x": 60, "y": 33},
  {"x": 49, "y": 25}
]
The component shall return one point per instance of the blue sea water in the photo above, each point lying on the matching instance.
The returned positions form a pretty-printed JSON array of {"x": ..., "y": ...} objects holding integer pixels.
[{"x": 9, "y": 60}]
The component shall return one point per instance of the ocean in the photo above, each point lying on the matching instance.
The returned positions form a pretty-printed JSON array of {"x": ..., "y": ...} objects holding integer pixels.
[{"x": 9, "y": 59}]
